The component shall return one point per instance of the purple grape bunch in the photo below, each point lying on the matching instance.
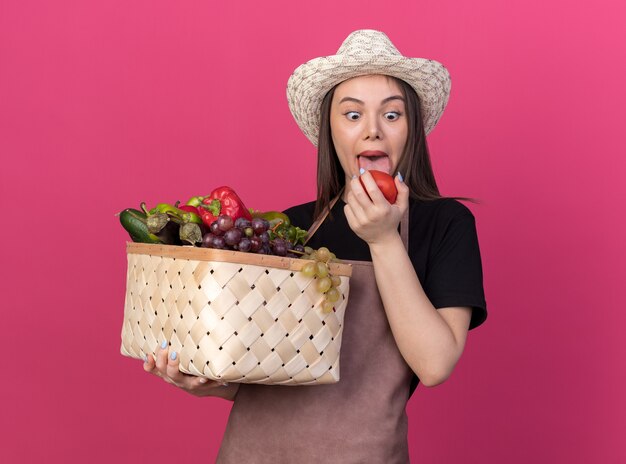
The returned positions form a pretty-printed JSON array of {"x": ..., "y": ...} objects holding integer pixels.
[{"x": 248, "y": 236}]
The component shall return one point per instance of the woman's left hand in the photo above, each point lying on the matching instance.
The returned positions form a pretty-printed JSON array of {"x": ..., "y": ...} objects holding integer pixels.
[{"x": 374, "y": 220}]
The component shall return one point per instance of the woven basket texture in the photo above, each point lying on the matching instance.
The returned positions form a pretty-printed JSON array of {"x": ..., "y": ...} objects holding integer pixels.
[{"x": 232, "y": 321}]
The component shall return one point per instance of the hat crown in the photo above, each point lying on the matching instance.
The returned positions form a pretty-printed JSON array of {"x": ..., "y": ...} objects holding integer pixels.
[{"x": 367, "y": 42}]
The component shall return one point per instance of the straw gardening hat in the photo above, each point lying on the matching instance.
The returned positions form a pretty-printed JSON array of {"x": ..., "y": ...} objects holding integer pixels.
[{"x": 365, "y": 52}]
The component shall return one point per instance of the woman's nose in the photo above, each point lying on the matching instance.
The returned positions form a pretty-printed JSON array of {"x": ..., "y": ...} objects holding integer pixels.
[{"x": 372, "y": 130}]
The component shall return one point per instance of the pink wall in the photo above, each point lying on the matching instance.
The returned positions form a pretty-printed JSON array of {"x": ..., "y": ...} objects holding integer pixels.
[{"x": 105, "y": 104}]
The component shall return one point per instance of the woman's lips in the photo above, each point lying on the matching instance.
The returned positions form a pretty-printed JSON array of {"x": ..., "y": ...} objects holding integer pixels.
[{"x": 374, "y": 159}]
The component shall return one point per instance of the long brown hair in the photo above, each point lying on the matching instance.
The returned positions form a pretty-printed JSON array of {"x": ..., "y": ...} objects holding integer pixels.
[{"x": 414, "y": 163}]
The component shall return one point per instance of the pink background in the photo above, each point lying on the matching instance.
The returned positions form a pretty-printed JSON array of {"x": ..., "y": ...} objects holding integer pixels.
[{"x": 106, "y": 104}]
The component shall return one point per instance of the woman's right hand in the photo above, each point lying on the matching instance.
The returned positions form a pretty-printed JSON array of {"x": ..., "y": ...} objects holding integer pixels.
[{"x": 166, "y": 366}]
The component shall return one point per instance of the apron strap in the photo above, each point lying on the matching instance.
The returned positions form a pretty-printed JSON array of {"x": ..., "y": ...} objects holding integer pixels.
[
  {"x": 404, "y": 223},
  {"x": 404, "y": 229},
  {"x": 318, "y": 222}
]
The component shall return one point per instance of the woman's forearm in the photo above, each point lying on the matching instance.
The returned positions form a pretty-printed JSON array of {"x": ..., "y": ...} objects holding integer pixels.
[
  {"x": 424, "y": 338},
  {"x": 228, "y": 392}
]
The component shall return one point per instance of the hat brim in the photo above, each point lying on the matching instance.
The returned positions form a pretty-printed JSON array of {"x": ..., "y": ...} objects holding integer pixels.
[{"x": 311, "y": 81}]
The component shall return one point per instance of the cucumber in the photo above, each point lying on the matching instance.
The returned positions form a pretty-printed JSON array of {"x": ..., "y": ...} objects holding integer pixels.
[{"x": 134, "y": 221}]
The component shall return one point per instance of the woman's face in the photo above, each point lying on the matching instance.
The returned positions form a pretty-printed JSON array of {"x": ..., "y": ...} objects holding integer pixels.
[{"x": 368, "y": 124}]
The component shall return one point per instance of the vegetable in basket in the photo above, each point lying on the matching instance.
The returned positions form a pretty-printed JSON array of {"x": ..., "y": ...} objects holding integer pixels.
[
  {"x": 173, "y": 225},
  {"x": 221, "y": 201},
  {"x": 274, "y": 217},
  {"x": 141, "y": 228},
  {"x": 184, "y": 214},
  {"x": 135, "y": 223}
]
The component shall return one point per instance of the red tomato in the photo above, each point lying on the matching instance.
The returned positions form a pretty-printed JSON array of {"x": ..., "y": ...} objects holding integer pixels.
[{"x": 385, "y": 183}]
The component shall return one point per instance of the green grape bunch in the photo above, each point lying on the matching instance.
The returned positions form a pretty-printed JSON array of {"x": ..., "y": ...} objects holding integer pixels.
[{"x": 327, "y": 283}]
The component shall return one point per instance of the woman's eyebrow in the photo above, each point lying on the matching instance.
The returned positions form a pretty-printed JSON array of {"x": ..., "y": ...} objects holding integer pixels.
[
  {"x": 386, "y": 100},
  {"x": 393, "y": 97}
]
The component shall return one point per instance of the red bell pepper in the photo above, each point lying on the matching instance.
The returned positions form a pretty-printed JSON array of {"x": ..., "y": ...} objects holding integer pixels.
[
  {"x": 189, "y": 209},
  {"x": 222, "y": 200}
]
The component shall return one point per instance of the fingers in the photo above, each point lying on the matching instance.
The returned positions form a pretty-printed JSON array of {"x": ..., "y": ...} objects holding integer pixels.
[
  {"x": 372, "y": 190},
  {"x": 166, "y": 364},
  {"x": 203, "y": 384},
  {"x": 367, "y": 203},
  {"x": 350, "y": 217},
  {"x": 149, "y": 365},
  {"x": 173, "y": 373},
  {"x": 402, "y": 200},
  {"x": 403, "y": 191},
  {"x": 364, "y": 195},
  {"x": 368, "y": 212},
  {"x": 161, "y": 359},
  {"x": 354, "y": 204},
  {"x": 171, "y": 368},
  {"x": 358, "y": 199}
]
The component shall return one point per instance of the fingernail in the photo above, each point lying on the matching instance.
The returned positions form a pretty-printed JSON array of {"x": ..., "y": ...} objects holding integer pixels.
[
  {"x": 144, "y": 357},
  {"x": 225, "y": 384},
  {"x": 173, "y": 356},
  {"x": 361, "y": 171},
  {"x": 400, "y": 178},
  {"x": 203, "y": 380},
  {"x": 164, "y": 344}
]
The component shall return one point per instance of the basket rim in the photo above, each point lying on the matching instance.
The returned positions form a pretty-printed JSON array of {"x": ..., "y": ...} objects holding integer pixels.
[{"x": 209, "y": 254}]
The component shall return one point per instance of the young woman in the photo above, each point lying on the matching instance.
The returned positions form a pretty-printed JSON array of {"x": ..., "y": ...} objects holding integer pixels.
[{"x": 416, "y": 287}]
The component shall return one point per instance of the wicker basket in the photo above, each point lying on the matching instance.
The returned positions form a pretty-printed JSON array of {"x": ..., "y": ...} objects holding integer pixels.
[{"x": 232, "y": 316}]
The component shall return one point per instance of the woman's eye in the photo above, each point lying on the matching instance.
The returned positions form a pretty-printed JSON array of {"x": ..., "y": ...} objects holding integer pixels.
[
  {"x": 353, "y": 115},
  {"x": 392, "y": 115}
]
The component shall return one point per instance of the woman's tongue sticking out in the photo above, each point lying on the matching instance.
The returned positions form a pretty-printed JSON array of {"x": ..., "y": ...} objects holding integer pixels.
[{"x": 378, "y": 162}]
